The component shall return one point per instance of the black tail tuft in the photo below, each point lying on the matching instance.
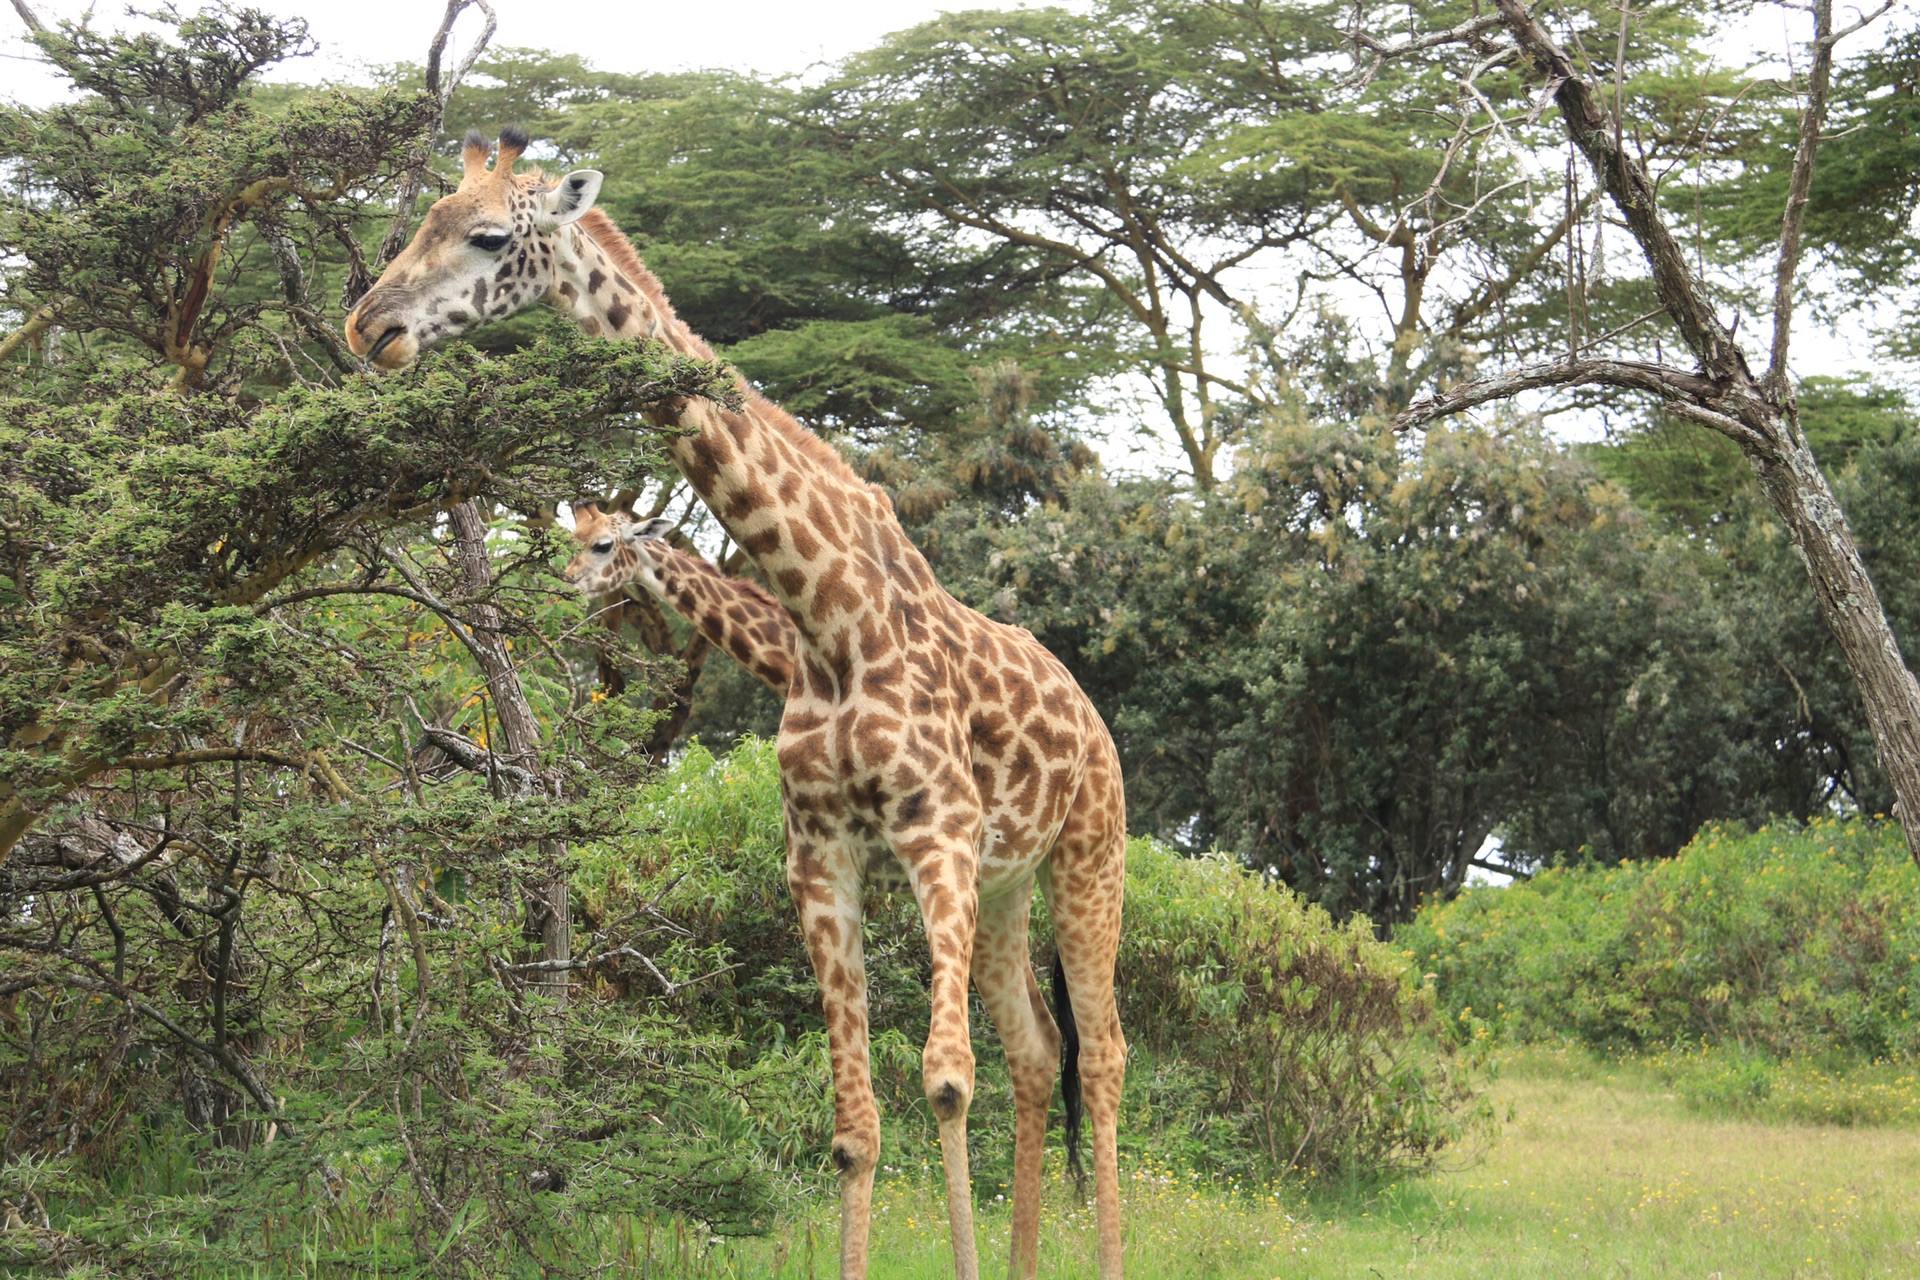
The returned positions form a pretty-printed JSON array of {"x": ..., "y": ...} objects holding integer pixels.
[{"x": 1069, "y": 1072}]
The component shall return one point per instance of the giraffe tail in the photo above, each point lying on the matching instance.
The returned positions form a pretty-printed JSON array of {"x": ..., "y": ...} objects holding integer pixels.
[{"x": 1069, "y": 1072}]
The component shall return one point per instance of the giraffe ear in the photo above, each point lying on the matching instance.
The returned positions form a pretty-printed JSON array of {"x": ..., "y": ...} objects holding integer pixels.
[
  {"x": 652, "y": 530},
  {"x": 574, "y": 196}
]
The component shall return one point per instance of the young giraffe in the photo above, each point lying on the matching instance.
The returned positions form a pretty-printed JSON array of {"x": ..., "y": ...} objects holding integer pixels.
[
  {"x": 737, "y": 616},
  {"x": 921, "y": 744}
]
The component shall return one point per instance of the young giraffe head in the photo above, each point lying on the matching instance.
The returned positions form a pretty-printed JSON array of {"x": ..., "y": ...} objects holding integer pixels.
[
  {"x": 481, "y": 253},
  {"x": 613, "y": 551}
]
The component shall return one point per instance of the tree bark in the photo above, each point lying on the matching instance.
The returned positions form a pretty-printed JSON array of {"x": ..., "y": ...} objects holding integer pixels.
[
  {"x": 548, "y": 914},
  {"x": 1851, "y": 608}
]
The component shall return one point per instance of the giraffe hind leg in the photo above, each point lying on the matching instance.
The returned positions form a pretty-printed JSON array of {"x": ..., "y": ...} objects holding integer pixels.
[
  {"x": 1086, "y": 882},
  {"x": 1003, "y": 975}
]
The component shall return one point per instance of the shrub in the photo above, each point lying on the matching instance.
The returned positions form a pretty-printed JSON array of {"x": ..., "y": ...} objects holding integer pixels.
[
  {"x": 1789, "y": 940},
  {"x": 1321, "y": 1052}
]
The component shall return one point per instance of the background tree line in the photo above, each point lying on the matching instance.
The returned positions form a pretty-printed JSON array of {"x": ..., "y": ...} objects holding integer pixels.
[
  {"x": 1001, "y": 244},
  {"x": 314, "y": 783}
]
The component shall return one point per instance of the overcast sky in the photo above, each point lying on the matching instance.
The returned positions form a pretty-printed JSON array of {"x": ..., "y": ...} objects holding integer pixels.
[{"x": 741, "y": 35}]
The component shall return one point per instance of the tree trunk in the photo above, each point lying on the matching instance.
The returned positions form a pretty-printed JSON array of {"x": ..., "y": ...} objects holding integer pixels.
[
  {"x": 548, "y": 915},
  {"x": 1758, "y": 414},
  {"x": 1852, "y": 611}
]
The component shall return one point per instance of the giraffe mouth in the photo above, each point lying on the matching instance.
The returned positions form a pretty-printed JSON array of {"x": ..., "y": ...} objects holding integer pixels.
[{"x": 386, "y": 340}]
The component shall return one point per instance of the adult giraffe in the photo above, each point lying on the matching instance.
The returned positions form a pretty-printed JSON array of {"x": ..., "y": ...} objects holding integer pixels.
[{"x": 921, "y": 744}]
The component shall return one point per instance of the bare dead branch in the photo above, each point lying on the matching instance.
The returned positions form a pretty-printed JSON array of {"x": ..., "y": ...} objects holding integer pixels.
[
  {"x": 473, "y": 757},
  {"x": 34, "y": 326},
  {"x": 1673, "y": 386},
  {"x": 1799, "y": 188},
  {"x": 415, "y": 174},
  {"x": 439, "y": 47},
  {"x": 1866, "y": 20},
  {"x": 1468, "y": 32}
]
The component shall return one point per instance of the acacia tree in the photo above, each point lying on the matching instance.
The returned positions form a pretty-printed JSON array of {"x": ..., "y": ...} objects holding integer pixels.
[
  {"x": 1722, "y": 392},
  {"x": 290, "y": 740},
  {"x": 1085, "y": 145}
]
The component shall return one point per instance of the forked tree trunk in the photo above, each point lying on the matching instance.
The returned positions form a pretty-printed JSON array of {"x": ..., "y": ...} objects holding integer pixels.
[{"x": 1722, "y": 394}]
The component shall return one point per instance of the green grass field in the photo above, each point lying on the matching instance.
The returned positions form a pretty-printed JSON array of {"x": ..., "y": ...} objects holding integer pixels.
[
  {"x": 1601, "y": 1170},
  {"x": 1598, "y": 1172}
]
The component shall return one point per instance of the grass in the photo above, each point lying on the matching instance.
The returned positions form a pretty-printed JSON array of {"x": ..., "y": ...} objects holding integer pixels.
[
  {"x": 1604, "y": 1168},
  {"x": 1601, "y": 1171}
]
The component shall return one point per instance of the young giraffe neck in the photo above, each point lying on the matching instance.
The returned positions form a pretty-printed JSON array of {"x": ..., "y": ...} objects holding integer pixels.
[
  {"x": 743, "y": 620},
  {"x": 829, "y": 544}
]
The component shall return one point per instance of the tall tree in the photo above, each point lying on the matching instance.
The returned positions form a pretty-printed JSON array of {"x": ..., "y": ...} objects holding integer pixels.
[
  {"x": 1082, "y": 144},
  {"x": 1723, "y": 393}
]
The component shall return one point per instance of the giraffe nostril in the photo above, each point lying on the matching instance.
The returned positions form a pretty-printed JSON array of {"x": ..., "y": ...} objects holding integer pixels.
[{"x": 386, "y": 340}]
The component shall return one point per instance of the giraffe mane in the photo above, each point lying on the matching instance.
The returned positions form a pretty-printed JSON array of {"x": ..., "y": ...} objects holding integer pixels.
[{"x": 597, "y": 225}]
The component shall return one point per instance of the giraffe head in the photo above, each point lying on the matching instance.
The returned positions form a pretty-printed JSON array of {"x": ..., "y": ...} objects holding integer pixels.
[
  {"x": 483, "y": 252},
  {"x": 614, "y": 551}
]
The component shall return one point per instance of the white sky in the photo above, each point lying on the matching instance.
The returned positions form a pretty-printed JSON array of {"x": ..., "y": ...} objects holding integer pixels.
[{"x": 742, "y": 35}]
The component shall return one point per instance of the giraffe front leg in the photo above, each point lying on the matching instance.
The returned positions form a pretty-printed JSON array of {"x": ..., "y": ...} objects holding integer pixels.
[
  {"x": 830, "y": 921},
  {"x": 1003, "y": 975},
  {"x": 945, "y": 883}
]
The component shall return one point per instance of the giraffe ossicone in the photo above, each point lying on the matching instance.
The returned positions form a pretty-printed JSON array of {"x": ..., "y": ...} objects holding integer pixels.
[{"x": 920, "y": 741}]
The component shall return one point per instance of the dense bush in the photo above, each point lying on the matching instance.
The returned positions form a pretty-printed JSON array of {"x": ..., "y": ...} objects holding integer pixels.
[
  {"x": 1789, "y": 940},
  {"x": 1321, "y": 1050}
]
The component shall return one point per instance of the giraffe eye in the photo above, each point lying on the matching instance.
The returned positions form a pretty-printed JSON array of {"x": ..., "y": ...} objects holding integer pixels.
[
  {"x": 601, "y": 548},
  {"x": 490, "y": 242}
]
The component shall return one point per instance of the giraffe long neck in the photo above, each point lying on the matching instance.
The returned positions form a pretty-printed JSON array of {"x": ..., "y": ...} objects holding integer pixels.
[
  {"x": 831, "y": 549},
  {"x": 745, "y": 622}
]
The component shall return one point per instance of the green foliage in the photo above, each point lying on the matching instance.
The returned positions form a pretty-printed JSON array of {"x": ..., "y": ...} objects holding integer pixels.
[
  {"x": 1357, "y": 660},
  {"x": 136, "y": 206},
  {"x": 276, "y": 917},
  {"x": 154, "y": 526},
  {"x": 1860, "y": 210},
  {"x": 1074, "y": 145},
  {"x": 1317, "y": 1045},
  {"x": 770, "y": 247},
  {"x": 1699, "y": 480},
  {"x": 1731, "y": 1081},
  {"x": 1799, "y": 692},
  {"x": 1789, "y": 941},
  {"x": 269, "y": 861}
]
